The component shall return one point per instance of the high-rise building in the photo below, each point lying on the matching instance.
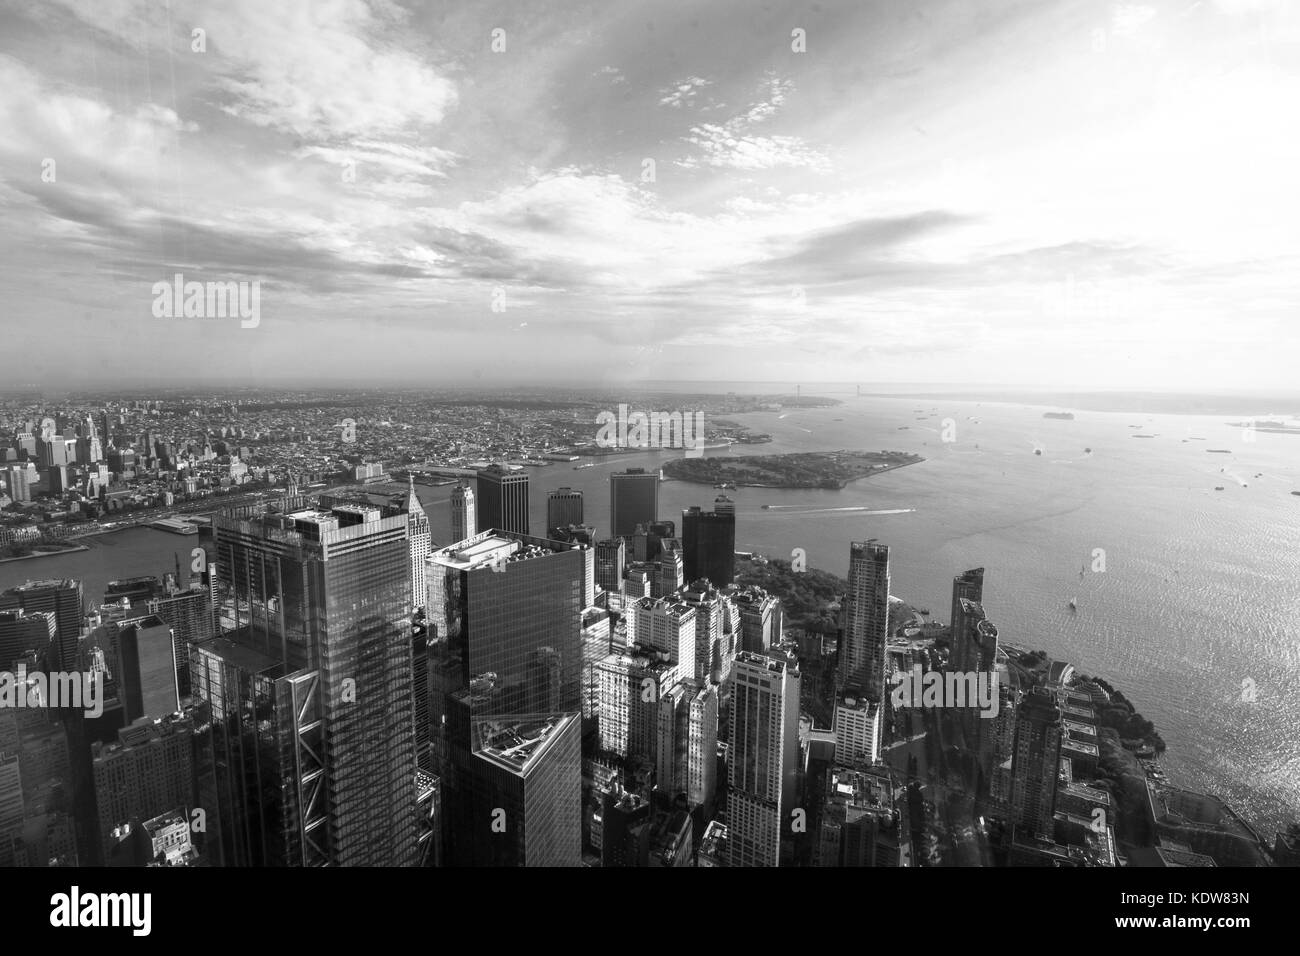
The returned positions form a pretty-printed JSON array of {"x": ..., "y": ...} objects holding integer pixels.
[
  {"x": 17, "y": 482},
  {"x": 611, "y": 560},
  {"x": 192, "y": 616},
  {"x": 671, "y": 568},
  {"x": 997, "y": 744},
  {"x": 563, "y": 508},
  {"x": 502, "y": 500},
  {"x": 631, "y": 683},
  {"x": 967, "y": 586},
  {"x": 1036, "y": 762},
  {"x": 698, "y": 778},
  {"x": 520, "y": 796},
  {"x": 328, "y": 594},
  {"x": 859, "y": 825},
  {"x": 419, "y": 543},
  {"x": 709, "y": 545},
  {"x": 857, "y": 731},
  {"x": 716, "y": 629},
  {"x": 664, "y": 624},
  {"x": 510, "y": 606},
  {"x": 146, "y": 669},
  {"x": 761, "y": 617},
  {"x": 633, "y": 500},
  {"x": 21, "y": 632},
  {"x": 463, "y": 522},
  {"x": 148, "y": 771},
  {"x": 763, "y": 756},
  {"x": 866, "y": 625},
  {"x": 248, "y": 743},
  {"x": 63, "y": 599}
]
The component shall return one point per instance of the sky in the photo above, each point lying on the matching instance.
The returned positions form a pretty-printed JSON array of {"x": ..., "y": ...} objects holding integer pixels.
[{"x": 1024, "y": 193}]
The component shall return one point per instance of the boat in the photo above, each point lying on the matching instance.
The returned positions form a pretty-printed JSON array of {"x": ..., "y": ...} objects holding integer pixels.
[
  {"x": 1074, "y": 604},
  {"x": 1219, "y": 451},
  {"x": 1296, "y": 493},
  {"x": 1218, "y": 487},
  {"x": 765, "y": 507}
]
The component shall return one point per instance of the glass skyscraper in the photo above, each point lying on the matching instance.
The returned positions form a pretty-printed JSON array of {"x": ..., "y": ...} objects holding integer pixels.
[
  {"x": 502, "y": 500},
  {"x": 327, "y": 593}
]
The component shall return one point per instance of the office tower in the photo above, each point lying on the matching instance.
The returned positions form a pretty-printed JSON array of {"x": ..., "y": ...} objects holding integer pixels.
[
  {"x": 17, "y": 483},
  {"x": 327, "y": 593},
  {"x": 709, "y": 545},
  {"x": 633, "y": 500},
  {"x": 639, "y": 580},
  {"x": 150, "y": 769},
  {"x": 137, "y": 590},
  {"x": 588, "y": 576},
  {"x": 859, "y": 825},
  {"x": 666, "y": 625},
  {"x": 511, "y": 606},
  {"x": 631, "y": 682},
  {"x": 866, "y": 625},
  {"x": 857, "y": 731},
  {"x": 192, "y": 616},
  {"x": 1033, "y": 771},
  {"x": 462, "y": 513},
  {"x": 563, "y": 508},
  {"x": 596, "y": 645},
  {"x": 713, "y": 609},
  {"x": 761, "y": 617},
  {"x": 419, "y": 543},
  {"x": 502, "y": 500},
  {"x": 146, "y": 669},
  {"x": 764, "y": 746},
  {"x": 671, "y": 564},
  {"x": 63, "y": 599},
  {"x": 624, "y": 821},
  {"x": 699, "y": 776},
  {"x": 21, "y": 632},
  {"x": 11, "y": 807},
  {"x": 997, "y": 744},
  {"x": 611, "y": 556},
  {"x": 521, "y": 799},
  {"x": 724, "y": 505},
  {"x": 248, "y": 744},
  {"x": 967, "y": 586}
]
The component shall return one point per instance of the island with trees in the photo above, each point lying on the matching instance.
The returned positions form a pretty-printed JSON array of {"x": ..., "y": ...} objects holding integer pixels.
[{"x": 818, "y": 469}]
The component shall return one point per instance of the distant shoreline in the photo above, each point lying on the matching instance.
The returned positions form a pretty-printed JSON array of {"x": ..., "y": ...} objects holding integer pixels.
[{"x": 45, "y": 554}]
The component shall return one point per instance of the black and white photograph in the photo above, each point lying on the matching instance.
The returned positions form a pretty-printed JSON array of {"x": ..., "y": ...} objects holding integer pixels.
[{"x": 560, "y": 434}]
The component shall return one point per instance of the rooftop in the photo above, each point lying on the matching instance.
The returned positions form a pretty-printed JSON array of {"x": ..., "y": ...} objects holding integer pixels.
[{"x": 517, "y": 743}]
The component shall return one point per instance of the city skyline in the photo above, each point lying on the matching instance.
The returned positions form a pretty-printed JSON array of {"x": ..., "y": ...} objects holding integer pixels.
[{"x": 1010, "y": 194}]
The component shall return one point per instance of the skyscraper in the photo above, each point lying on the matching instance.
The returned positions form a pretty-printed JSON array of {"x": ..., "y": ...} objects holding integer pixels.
[
  {"x": 709, "y": 545},
  {"x": 611, "y": 557},
  {"x": 502, "y": 500},
  {"x": 633, "y": 500},
  {"x": 520, "y": 802},
  {"x": 1037, "y": 756},
  {"x": 63, "y": 599},
  {"x": 563, "y": 508},
  {"x": 146, "y": 669},
  {"x": 419, "y": 542},
  {"x": 21, "y": 632},
  {"x": 967, "y": 586},
  {"x": 463, "y": 524},
  {"x": 192, "y": 616},
  {"x": 510, "y": 606},
  {"x": 667, "y": 625},
  {"x": 866, "y": 626},
  {"x": 328, "y": 594},
  {"x": 764, "y": 748}
]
